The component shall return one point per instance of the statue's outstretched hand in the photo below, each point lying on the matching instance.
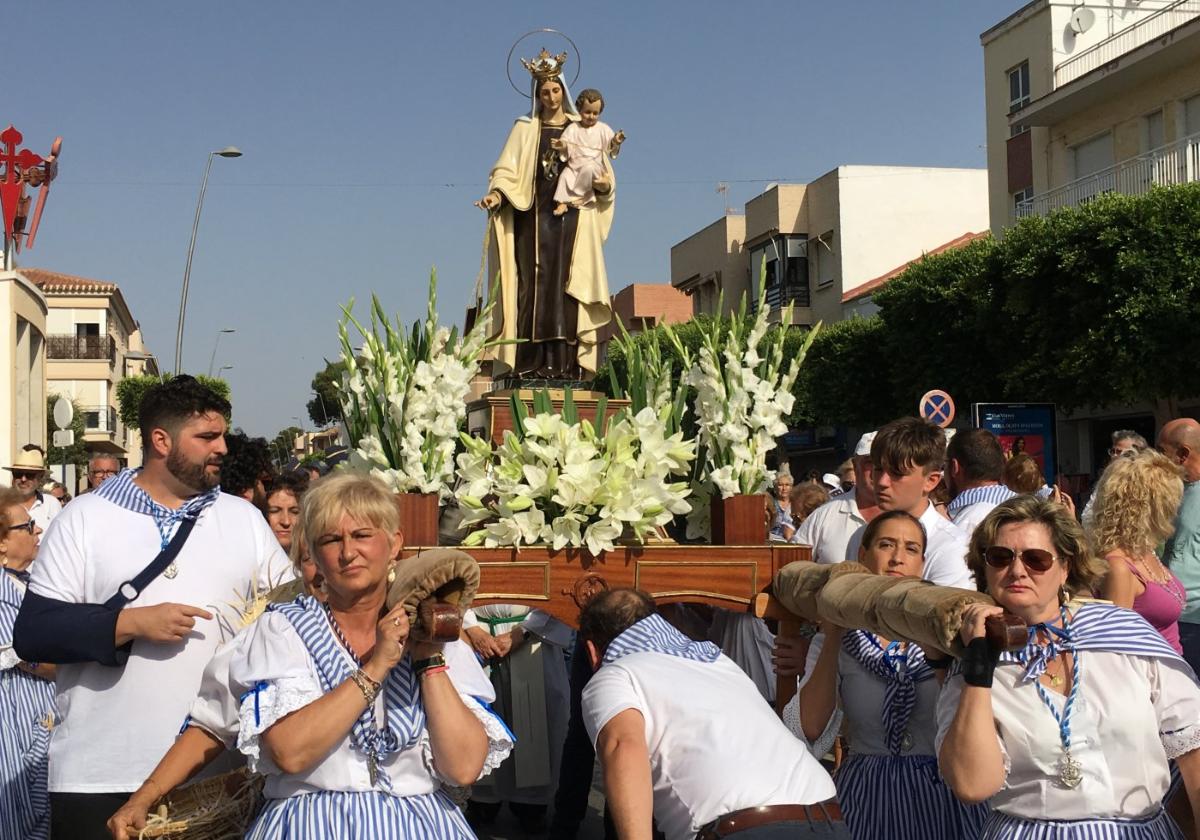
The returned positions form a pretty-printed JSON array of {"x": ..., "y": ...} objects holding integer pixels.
[{"x": 489, "y": 202}]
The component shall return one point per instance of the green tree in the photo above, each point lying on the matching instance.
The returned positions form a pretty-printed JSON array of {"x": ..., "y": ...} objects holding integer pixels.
[
  {"x": 324, "y": 408},
  {"x": 940, "y": 328},
  {"x": 76, "y": 453},
  {"x": 283, "y": 444},
  {"x": 845, "y": 377},
  {"x": 131, "y": 389},
  {"x": 1102, "y": 301}
]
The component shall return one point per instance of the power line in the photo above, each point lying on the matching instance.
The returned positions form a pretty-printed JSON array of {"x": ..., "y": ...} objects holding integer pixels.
[{"x": 408, "y": 184}]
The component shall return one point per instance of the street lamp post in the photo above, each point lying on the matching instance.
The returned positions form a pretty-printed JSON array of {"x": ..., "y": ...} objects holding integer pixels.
[
  {"x": 227, "y": 152},
  {"x": 213, "y": 358}
]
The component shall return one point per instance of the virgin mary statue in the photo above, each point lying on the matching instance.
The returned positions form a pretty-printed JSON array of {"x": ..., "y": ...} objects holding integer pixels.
[{"x": 553, "y": 286}]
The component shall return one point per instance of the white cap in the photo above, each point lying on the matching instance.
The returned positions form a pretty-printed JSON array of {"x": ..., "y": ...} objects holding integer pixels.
[
  {"x": 864, "y": 444},
  {"x": 831, "y": 481}
]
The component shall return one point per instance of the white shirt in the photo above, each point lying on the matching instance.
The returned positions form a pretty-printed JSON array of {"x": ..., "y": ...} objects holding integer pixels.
[
  {"x": 945, "y": 550},
  {"x": 273, "y": 652},
  {"x": 715, "y": 745},
  {"x": 1125, "y": 704},
  {"x": 45, "y": 508},
  {"x": 967, "y": 519},
  {"x": 829, "y": 528},
  {"x": 116, "y": 723}
]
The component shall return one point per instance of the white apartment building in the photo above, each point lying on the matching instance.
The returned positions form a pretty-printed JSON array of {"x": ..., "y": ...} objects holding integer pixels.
[
  {"x": 821, "y": 242},
  {"x": 22, "y": 366},
  {"x": 93, "y": 341},
  {"x": 1088, "y": 97}
]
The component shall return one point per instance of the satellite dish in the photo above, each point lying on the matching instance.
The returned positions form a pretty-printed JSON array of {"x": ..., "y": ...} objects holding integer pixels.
[{"x": 1081, "y": 20}]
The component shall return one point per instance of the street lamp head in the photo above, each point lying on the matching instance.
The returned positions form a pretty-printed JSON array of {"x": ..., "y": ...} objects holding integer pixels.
[
  {"x": 229, "y": 152},
  {"x": 228, "y": 330}
]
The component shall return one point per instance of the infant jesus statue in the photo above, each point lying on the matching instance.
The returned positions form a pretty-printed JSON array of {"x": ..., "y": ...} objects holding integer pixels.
[{"x": 582, "y": 147}]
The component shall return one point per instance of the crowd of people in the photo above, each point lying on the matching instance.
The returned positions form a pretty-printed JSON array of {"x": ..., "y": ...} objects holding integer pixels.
[{"x": 136, "y": 655}]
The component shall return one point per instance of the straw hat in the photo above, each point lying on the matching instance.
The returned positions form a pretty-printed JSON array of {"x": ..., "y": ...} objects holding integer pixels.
[{"x": 29, "y": 460}]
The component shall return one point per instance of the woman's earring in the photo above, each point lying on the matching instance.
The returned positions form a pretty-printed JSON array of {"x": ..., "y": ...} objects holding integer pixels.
[
  {"x": 391, "y": 575},
  {"x": 1063, "y": 595}
]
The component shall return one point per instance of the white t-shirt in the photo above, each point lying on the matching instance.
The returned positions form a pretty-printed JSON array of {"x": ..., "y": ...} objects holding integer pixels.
[
  {"x": 828, "y": 529},
  {"x": 116, "y": 723},
  {"x": 45, "y": 508},
  {"x": 945, "y": 551},
  {"x": 1125, "y": 707},
  {"x": 715, "y": 745}
]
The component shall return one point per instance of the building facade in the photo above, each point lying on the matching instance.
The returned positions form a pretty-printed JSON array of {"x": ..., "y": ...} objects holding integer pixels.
[
  {"x": 23, "y": 314},
  {"x": 93, "y": 341},
  {"x": 1090, "y": 97},
  {"x": 643, "y": 306},
  {"x": 819, "y": 242}
]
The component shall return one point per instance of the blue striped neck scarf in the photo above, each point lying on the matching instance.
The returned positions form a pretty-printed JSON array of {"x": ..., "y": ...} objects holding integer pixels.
[
  {"x": 992, "y": 493},
  {"x": 1102, "y": 627},
  {"x": 22, "y": 576},
  {"x": 405, "y": 716},
  {"x": 900, "y": 670},
  {"x": 122, "y": 491},
  {"x": 654, "y": 635}
]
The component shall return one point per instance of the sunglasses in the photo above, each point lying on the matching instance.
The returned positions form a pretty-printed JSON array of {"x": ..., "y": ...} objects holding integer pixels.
[
  {"x": 27, "y": 525},
  {"x": 1036, "y": 560},
  {"x": 26, "y": 474}
]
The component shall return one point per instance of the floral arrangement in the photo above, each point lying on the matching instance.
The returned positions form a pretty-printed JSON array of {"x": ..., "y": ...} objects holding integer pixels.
[
  {"x": 741, "y": 400},
  {"x": 404, "y": 396},
  {"x": 563, "y": 481}
]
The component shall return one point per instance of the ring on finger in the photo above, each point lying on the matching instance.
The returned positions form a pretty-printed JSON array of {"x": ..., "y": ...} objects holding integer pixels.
[{"x": 396, "y": 621}]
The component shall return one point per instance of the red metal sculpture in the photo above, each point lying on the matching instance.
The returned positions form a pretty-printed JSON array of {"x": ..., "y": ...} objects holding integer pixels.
[{"x": 19, "y": 169}]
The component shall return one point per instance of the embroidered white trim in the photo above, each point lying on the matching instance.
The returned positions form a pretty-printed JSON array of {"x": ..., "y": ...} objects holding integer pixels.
[
  {"x": 1181, "y": 741},
  {"x": 279, "y": 698},
  {"x": 8, "y": 659},
  {"x": 824, "y": 743},
  {"x": 500, "y": 742}
]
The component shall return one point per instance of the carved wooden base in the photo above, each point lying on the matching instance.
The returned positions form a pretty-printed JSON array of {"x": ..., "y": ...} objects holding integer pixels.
[{"x": 560, "y": 582}]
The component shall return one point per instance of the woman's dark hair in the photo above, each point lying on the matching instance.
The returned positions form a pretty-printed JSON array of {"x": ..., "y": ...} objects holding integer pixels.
[
  {"x": 294, "y": 482},
  {"x": 168, "y": 405},
  {"x": 875, "y": 524}
]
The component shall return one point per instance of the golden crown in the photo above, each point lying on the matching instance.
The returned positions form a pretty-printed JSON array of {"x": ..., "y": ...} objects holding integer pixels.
[{"x": 546, "y": 66}]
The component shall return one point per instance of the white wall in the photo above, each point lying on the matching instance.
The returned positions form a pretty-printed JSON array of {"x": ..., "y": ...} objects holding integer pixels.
[
  {"x": 63, "y": 321},
  {"x": 891, "y": 214}
]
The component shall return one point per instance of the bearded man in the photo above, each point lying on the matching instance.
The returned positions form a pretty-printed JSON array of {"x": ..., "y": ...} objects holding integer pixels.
[{"x": 131, "y": 633}]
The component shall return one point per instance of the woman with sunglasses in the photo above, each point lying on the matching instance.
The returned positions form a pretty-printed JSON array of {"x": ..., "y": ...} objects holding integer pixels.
[
  {"x": 1069, "y": 737},
  {"x": 26, "y": 690},
  {"x": 1136, "y": 503},
  {"x": 887, "y": 690}
]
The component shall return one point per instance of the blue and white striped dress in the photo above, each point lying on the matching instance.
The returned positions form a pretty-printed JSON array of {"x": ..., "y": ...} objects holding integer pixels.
[
  {"x": 1138, "y": 706},
  {"x": 27, "y": 715},
  {"x": 889, "y": 785},
  {"x": 290, "y": 658}
]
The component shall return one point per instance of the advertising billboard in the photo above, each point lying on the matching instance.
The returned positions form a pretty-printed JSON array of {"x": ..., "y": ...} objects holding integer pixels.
[{"x": 1022, "y": 427}]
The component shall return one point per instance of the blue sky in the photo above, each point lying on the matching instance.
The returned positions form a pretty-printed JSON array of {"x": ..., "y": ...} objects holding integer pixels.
[{"x": 368, "y": 129}]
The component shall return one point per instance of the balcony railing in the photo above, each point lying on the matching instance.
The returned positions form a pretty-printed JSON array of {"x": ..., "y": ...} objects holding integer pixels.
[
  {"x": 1153, "y": 25},
  {"x": 1177, "y": 163},
  {"x": 781, "y": 295},
  {"x": 99, "y": 418},
  {"x": 82, "y": 347}
]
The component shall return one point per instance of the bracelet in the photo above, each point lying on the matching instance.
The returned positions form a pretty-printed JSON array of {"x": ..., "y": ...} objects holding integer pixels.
[
  {"x": 422, "y": 665},
  {"x": 939, "y": 664},
  {"x": 433, "y": 669},
  {"x": 979, "y": 663},
  {"x": 368, "y": 686}
]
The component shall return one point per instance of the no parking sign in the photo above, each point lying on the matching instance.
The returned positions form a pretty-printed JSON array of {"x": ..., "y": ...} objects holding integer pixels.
[{"x": 937, "y": 407}]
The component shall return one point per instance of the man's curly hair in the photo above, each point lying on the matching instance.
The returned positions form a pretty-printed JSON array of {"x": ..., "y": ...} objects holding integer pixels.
[{"x": 247, "y": 460}]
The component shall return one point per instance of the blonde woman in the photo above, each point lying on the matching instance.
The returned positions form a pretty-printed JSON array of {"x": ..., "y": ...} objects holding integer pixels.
[{"x": 1134, "y": 511}]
